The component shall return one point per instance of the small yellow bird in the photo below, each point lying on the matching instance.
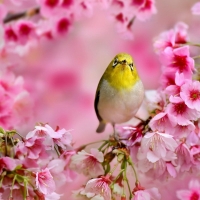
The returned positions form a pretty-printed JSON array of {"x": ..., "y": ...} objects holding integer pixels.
[{"x": 120, "y": 92}]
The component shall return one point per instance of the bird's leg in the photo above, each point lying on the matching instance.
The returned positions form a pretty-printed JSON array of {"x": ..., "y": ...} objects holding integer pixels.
[
  {"x": 136, "y": 117},
  {"x": 113, "y": 124}
]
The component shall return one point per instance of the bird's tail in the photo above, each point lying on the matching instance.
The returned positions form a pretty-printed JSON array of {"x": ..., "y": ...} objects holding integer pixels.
[{"x": 101, "y": 127}]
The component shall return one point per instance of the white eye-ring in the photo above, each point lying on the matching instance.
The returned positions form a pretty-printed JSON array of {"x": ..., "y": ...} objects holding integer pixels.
[
  {"x": 131, "y": 66},
  {"x": 115, "y": 62}
]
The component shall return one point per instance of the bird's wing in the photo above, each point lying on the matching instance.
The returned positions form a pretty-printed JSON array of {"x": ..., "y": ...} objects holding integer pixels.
[{"x": 96, "y": 104}]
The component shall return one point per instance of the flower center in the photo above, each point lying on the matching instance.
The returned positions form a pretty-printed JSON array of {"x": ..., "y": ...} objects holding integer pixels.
[
  {"x": 24, "y": 29},
  {"x": 147, "y": 5},
  {"x": 63, "y": 25},
  {"x": 51, "y": 3},
  {"x": 10, "y": 34},
  {"x": 194, "y": 95},
  {"x": 67, "y": 3},
  {"x": 181, "y": 62},
  {"x": 180, "y": 39},
  {"x": 138, "y": 2},
  {"x": 180, "y": 108},
  {"x": 194, "y": 196},
  {"x": 120, "y": 17}
]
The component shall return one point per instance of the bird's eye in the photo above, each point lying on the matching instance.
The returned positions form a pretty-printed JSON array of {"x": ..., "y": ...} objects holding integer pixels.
[
  {"x": 115, "y": 62},
  {"x": 131, "y": 66}
]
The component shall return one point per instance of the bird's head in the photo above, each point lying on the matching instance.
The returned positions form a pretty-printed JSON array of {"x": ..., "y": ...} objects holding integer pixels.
[{"x": 121, "y": 72}]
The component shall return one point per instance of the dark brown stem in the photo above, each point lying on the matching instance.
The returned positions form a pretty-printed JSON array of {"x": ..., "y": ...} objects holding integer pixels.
[
  {"x": 11, "y": 17},
  {"x": 131, "y": 22}
]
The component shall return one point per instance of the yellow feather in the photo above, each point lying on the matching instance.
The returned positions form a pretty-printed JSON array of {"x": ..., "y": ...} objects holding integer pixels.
[{"x": 121, "y": 76}]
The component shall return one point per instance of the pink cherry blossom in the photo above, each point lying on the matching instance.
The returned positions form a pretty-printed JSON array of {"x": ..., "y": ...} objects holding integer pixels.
[
  {"x": 161, "y": 122},
  {"x": 54, "y": 133},
  {"x": 196, "y": 8},
  {"x": 67, "y": 3},
  {"x": 183, "y": 130},
  {"x": 156, "y": 145},
  {"x": 167, "y": 79},
  {"x": 68, "y": 173},
  {"x": 190, "y": 93},
  {"x": 52, "y": 196},
  {"x": 88, "y": 164},
  {"x": 138, "y": 4},
  {"x": 156, "y": 100},
  {"x": 44, "y": 181},
  {"x": 184, "y": 157},
  {"x": 142, "y": 195},
  {"x": 145, "y": 8},
  {"x": 157, "y": 168},
  {"x": 25, "y": 31},
  {"x": 195, "y": 153},
  {"x": 156, "y": 151},
  {"x": 10, "y": 34},
  {"x": 99, "y": 186},
  {"x": 147, "y": 194},
  {"x": 65, "y": 141},
  {"x": 129, "y": 135},
  {"x": 6, "y": 102},
  {"x": 49, "y": 7},
  {"x": 41, "y": 131},
  {"x": 178, "y": 109},
  {"x": 61, "y": 137},
  {"x": 33, "y": 148},
  {"x": 192, "y": 138},
  {"x": 61, "y": 26},
  {"x": 193, "y": 193},
  {"x": 165, "y": 39},
  {"x": 181, "y": 30},
  {"x": 13, "y": 101},
  {"x": 170, "y": 169},
  {"x": 172, "y": 38},
  {"x": 81, "y": 194},
  {"x": 174, "y": 89},
  {"x": 120, "y": 10},
  {"x": 56, "y": 168},
  {"x": 178, "y": 60},
  {"x": 7, "y": 163}
]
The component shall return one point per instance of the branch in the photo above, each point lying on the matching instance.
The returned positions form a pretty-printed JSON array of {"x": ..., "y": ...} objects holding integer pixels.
[{"x": 29, "y": 13}]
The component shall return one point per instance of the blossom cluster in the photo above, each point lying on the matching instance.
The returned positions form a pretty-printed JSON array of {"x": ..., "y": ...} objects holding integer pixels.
[
  {"x": 15, "y": 101},
  {"x": 161, "y": 148},
  {"x": 35, "y": 166},
  {"x": 56, "y": 17}
]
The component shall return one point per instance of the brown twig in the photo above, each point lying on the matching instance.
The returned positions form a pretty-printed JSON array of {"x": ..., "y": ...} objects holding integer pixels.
[{"x": 10, "y": 17}]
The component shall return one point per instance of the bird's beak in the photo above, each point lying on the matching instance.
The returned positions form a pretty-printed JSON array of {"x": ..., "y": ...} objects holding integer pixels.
[{"x": 124, "y": 63}]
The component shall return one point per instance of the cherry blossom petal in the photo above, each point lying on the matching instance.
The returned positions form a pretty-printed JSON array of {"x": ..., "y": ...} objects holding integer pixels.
[
  {"x": 196, "y": 9},
  {"x": 44, "y": 181}
]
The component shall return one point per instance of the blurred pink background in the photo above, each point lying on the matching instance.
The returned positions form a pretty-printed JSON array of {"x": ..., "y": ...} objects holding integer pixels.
[{"x": 62, "y": 74}]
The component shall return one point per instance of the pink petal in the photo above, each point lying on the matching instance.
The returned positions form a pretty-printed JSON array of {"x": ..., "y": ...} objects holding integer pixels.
[
  {"x": 196, "y": 9},
  {"x": 194, "y": 184},
  {"x": 171, "y": 170},
  {"x": 97, "y": 154},
  {"x": 152, "y": 157},
  {"x": 183, "y": 194}
]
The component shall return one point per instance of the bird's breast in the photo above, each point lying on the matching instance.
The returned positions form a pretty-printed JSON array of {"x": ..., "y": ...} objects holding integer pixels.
[{"x": 117, "y": 106}]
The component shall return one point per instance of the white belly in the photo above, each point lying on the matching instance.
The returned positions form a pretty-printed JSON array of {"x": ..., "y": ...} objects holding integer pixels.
[{"x": 119, "y": 106}]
